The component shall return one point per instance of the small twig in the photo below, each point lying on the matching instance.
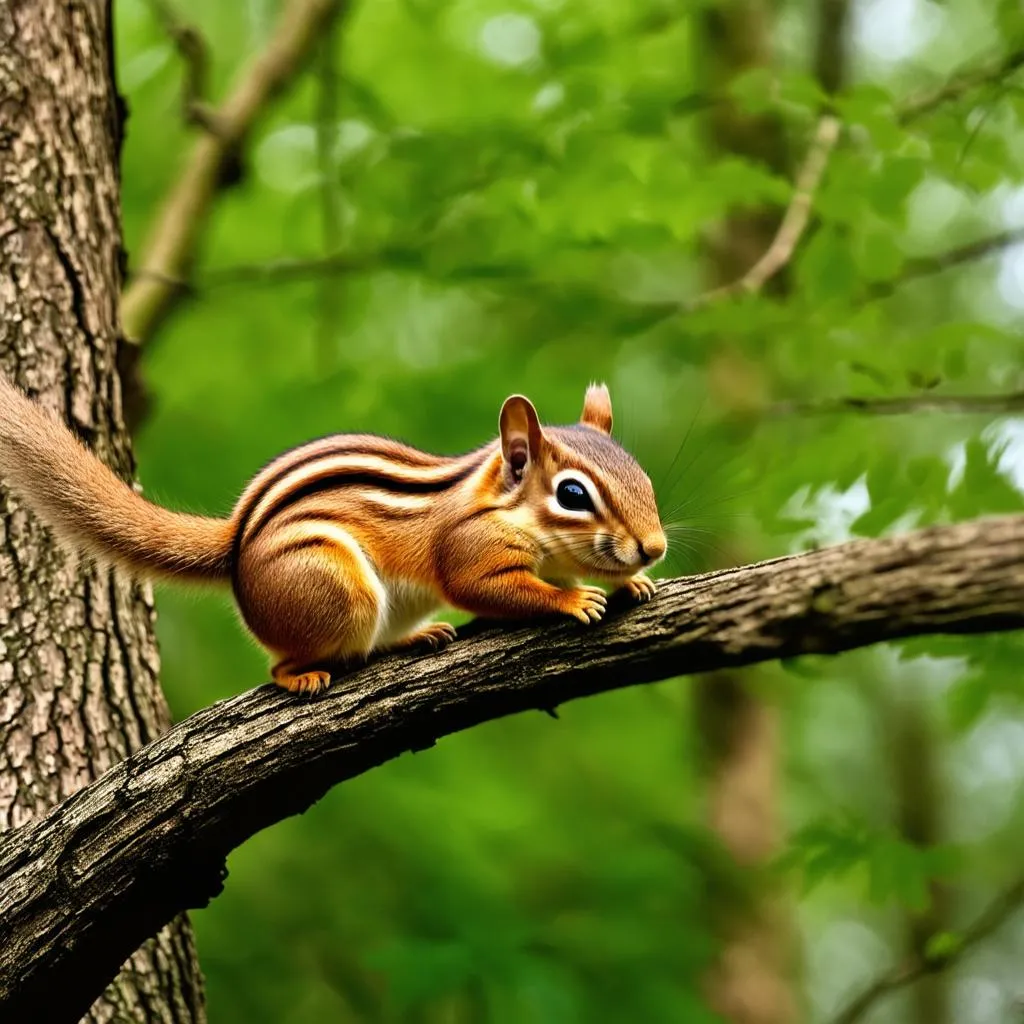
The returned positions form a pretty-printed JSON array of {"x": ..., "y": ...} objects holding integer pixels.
[
  {"x": 904, "y": 404},
  {"x": 174, "y": 240},
  {"x": 926, "y": 266},
  {"x": 194, "y": 52},
  {"x": 285, "y": 270},
  {"x": 794, "y": 222},
  {"x": 1001, "y": 908},
  {"x": 961, "y": 84}
]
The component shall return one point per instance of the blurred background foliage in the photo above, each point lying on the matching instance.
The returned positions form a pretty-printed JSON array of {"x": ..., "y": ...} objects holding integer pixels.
[{"x": 464, "y": 198}]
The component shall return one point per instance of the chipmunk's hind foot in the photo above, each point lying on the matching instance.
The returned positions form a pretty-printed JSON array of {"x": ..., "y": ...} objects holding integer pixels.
[
  {"x": 433, "y": 637},
  {"x": 310, "y": 681}
]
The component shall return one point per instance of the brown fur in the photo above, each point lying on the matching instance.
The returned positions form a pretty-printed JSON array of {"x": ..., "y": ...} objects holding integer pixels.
[
  {"x": 94, "y": 510},
  {"x": 350, "y": 543}
]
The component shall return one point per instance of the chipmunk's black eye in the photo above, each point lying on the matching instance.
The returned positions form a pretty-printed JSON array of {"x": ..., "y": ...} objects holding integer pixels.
[{"x": 573, "y": 495}]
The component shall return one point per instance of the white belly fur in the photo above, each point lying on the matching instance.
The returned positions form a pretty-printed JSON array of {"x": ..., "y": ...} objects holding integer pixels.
[{"x": 408, "y": 606}]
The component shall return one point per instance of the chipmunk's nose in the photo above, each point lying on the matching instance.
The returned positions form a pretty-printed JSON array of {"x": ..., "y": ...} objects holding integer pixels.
[{"x": 651, "y": 548}]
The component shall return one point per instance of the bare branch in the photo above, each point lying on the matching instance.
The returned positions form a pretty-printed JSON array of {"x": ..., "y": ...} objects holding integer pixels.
[
  {"x": 392, "y": 257},
  {"x": 794, "y": 222},
  {"x": 901, "y": 405},
  {"x": 174, "y": 240},
  {"x": 994, "y": 915},
  {"x": 926, "y": 266},
  {"x": 82, "y": 887},
  {"x": 958, "y": 86},
  {"x": 194, "y": 53}
]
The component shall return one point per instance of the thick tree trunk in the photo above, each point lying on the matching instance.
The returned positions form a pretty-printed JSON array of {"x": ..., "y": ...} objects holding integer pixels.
[{"x": 78, "y": 663}]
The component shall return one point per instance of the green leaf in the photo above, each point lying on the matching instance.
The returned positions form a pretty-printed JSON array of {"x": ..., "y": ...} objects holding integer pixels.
[
  {"x": 966, "y": 702},
  {"x": 826, "y": 271},
  {"x": 889, "y": 188},
  {"x": 870, "y": 106},
  {"x": 983, "y": 488},
  {"x": 804, "y": 668},
  {"x": 887, "y": 498},
  {"x": 802, "y": 90},
  {"x": 898, "y": 871},
  {"x": 954, "y": 362},
  {"x": 942, "y": 946},
  {"x": 753, "y": 90},
  {"x": 879, "y": 255}
]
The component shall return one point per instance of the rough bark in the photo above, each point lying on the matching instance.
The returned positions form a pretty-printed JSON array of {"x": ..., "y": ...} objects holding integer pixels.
[
  {"x": 80, "y": 888},
  {"x": 78, "y": 663}
]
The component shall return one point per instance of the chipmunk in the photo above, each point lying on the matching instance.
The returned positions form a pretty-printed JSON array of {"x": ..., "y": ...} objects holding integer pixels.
[{"x": 351, "y": 543}]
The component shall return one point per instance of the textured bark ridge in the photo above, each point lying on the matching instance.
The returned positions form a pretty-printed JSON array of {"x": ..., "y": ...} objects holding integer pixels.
[
  {"x": 82, "y": 887},
  {"x": 78, "y": 665}
]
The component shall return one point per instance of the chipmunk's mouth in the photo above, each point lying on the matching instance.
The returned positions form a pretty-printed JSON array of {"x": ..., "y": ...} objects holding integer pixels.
[
  {"x": 606, "y": 558},
  {"x": 609, "y": 548},
  {"x": 592, "y": 555}
]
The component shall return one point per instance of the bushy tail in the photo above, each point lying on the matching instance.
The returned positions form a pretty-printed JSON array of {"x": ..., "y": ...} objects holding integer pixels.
[{"x": 91, "y": 509}]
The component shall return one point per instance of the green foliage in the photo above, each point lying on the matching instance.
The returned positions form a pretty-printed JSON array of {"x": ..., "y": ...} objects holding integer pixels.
[
  {"x": 529, "y": 218},
  {"x": 942, "y": 946},
  {"x": 895, "y": 870}
]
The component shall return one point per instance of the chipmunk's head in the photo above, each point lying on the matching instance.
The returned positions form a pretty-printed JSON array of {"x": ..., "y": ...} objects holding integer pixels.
[{"x": 585, "y": 499}]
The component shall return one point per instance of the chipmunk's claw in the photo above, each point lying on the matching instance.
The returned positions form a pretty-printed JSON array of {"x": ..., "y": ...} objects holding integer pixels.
[
  {"x": 435, "y": 636},
  {"x": 641, "y": 587},
  {"x": 588, "y": 604}
]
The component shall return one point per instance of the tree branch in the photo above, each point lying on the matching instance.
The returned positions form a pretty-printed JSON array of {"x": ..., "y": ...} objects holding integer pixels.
[
  {"x": 794, "y": 222},
  {"x": 82, "y": 887},
  {"x": 901, "y": 405},
  {"x": 391, "y": 257},
  {"x": 926, "y": 266},
  {"x": 192, "y": 49},
  {"x": 1001, "y": 908},
  {"x": 174, "y": 240},
  {"x": 960, "y": 85}
]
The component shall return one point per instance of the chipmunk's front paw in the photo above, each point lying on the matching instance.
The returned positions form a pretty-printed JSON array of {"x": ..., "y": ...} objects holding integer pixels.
[
  {"x": 587, "y": 604},
  {"x": 435, "y": 636},
  {"x": 640, "y": 587}
]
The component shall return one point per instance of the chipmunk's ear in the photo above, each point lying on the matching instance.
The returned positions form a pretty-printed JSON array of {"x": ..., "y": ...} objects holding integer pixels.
[
  {"x": 521, "y": 435},
  {"x": 597, "y": 408}
]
